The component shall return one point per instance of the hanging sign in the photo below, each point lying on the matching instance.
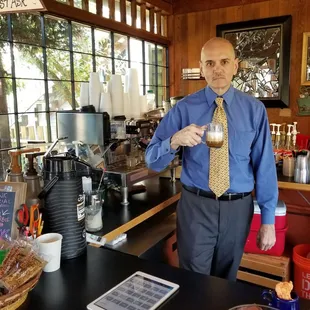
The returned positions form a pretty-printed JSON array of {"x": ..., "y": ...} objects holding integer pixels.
[{"x": 19, "y": 6}]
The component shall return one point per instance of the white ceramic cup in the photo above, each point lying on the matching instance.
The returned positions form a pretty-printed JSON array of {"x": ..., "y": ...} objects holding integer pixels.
[{"x": 50, "y": 249}]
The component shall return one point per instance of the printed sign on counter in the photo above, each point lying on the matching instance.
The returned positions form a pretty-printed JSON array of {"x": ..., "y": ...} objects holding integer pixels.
[{"x": 12, "y": 195}]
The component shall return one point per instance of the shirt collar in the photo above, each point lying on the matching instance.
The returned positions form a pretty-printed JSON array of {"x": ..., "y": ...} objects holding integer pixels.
[{"x": 211, "y": 95}]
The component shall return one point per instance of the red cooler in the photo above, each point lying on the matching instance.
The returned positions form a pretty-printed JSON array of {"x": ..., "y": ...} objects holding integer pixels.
[{"x": 280, "y": 226}]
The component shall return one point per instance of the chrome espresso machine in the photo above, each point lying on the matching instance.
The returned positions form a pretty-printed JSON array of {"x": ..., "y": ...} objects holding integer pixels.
[{"x": 116, "y": 145}]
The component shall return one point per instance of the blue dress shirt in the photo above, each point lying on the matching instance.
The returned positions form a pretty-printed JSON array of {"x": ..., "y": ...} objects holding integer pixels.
[{"x": 251, "y": 156}]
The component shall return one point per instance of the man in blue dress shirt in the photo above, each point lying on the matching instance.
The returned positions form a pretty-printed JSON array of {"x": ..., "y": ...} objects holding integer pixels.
[{"x": 212, "y": 230}]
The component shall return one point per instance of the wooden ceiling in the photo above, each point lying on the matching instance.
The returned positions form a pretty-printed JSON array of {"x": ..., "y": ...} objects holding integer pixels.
[{"x": 187, "y": 6}]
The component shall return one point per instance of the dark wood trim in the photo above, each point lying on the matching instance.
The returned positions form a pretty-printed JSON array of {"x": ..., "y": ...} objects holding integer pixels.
[
  {"x": 143, "y": 16},
  {"x": 112, "y": 9},
  {"x": 123, "y": 11},
  {"x": 134, "y": 13},
  {"x": 85, "y": 5},
  {"x": 152, "y": 20},
  {"x": 70, "y": 2},
  {"x": 66, "y": 11},
  {"x": 158, "y": 5},
  {"x": 99, "y": 7},
  {"x": 188, "y": 6},
  {"x": 158, "y": 22}
]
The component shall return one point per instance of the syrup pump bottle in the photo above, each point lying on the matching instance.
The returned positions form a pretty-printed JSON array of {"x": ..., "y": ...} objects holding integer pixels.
[
  {"x": 288, "y": 145},
  {"x": 273, "y": 133},
  {"x": 278, "y": 137},
  {"x": 32, "y": 179},
  {"x": 15, "y": 173},
  {"x": 283, "y": 135},
  {"x": 294, "y": 134}
]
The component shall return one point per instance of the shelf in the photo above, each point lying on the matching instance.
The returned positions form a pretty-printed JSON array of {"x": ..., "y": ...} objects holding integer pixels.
[{"x": 288, "y": 183}]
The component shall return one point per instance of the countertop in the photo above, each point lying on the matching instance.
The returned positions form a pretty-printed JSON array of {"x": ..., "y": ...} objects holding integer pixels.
[
  {"x": 117, "y": 218},
  {"x": 81, "y": 280}
]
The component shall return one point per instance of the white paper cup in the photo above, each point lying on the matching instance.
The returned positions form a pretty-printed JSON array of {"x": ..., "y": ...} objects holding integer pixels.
[{"x": 50, "y": 249}]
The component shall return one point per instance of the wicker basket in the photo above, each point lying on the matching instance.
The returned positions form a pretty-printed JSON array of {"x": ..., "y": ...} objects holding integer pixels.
[{"x": 13, "y": 300}]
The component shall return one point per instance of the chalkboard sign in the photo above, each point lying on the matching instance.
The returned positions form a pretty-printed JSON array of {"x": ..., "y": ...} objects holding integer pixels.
[{"x": 12, "y": 195}]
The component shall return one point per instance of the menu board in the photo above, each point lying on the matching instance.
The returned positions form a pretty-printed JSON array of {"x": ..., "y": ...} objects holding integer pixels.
[{"x": 12, "y": 195}]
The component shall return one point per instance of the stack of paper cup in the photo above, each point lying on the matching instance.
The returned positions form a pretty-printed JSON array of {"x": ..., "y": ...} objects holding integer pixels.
[
  {"x": 50, "y": 249},
  {"x": 84, "y": 95},
  {"x": 133, "y": 91},
  {"x": 95, "y": 89},
  {"x": 127, "y": 110},
  {"x": 143, "y": 105},
  {"x": 106, "y": 103},
  {"x": 117, "y": 95}
]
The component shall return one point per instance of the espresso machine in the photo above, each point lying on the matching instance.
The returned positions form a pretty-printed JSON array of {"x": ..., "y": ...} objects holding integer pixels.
[{"x": 125, "y": 164}]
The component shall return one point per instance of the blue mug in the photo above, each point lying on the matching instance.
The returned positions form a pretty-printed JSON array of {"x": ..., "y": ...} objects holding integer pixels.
[{"x": 281, "y": 304}]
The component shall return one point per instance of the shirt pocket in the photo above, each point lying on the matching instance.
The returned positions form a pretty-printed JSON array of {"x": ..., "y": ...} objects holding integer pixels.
[{"x": 242, "y": 143}]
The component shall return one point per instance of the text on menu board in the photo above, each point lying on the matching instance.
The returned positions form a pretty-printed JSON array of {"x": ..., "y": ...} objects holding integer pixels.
[
  {"x": 20, "y": 5},
  {"x": 7, "y": 200}
]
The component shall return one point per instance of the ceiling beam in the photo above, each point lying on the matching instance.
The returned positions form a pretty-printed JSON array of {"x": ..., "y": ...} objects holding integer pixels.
[{"x": 187, "y": 6}]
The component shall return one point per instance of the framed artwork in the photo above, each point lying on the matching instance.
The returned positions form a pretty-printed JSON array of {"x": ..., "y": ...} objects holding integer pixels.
[
  {"x": 262, "y": 47},
  {"x": 305, "y": 60}
]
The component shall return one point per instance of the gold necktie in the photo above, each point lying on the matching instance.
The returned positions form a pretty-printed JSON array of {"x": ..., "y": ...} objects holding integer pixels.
[{"x": 219, "y": 158}]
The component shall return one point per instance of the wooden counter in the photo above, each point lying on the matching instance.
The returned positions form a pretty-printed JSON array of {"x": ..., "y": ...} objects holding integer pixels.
[{"x": 288, "y": 183}]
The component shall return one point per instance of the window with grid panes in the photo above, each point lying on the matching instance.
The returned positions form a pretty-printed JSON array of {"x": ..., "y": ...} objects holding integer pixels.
[{"x": 44, "y": 59}]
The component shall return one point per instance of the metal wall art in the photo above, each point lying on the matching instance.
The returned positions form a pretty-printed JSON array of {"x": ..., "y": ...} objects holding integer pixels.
[{"x": 263, "y": 49}]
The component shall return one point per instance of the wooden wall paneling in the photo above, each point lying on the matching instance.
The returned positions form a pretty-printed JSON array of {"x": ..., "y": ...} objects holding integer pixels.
[
  {"x": 187, "y": 6},
  {"x": 70, "y": 2},
  {"x": 299, "y": 9},
  {"x": 143, "y": 16},
  {"x": 123, "y": 11},
  {"x": 264, "y": 9},
  {"x": 158, "y": 22},
  {"x": 99, "y": 7},
  {"x": 85, "y": 5},
  {"x": 134, "y": 13},
  {"x": 152, "y": 20},
  {"x": 112, "y": 9}
]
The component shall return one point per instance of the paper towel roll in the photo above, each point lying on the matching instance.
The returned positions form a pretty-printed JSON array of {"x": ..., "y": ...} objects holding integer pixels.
[
  {"x": 117, "y": 95},
  {"x": 127, "y": 108},
  {"x": 84, "y": 95},
  {"x": 126, "y": 84},
  {"x": 106, "y": 103},
  {"x": 95, "y": 88},
  {"x": 143, "y": 105}
]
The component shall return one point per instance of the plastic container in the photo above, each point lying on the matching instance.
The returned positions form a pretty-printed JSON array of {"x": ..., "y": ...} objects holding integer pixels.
[
  {"x": 302, "y": 270},
  {"x": 150, "y": 97},
  {"x": 276, "y": 250},
  {"x": 280, "y": 221}
]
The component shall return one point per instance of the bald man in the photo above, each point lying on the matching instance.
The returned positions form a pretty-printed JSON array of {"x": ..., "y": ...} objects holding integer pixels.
[{"x": 216, "y": 206}]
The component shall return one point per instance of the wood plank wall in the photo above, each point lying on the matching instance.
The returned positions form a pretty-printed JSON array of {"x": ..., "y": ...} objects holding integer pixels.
[{"x": 189, "y": 32}]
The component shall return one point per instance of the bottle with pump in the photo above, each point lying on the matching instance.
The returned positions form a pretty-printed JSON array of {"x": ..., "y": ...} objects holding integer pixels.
[
  {"x": 283, "y": 135},
  {"x": 278, "y": 137},
  {"x": 32, "y": 179},
  {"x": 15, "y": 173},
  {"x": 294, "y": 134},
  {"x": 288, "y": 145},
  {"x": 273, "y": 133}
]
